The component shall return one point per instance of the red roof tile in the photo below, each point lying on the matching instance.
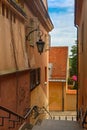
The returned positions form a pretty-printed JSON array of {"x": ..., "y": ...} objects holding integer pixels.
[{"x": 58, "y": 57}]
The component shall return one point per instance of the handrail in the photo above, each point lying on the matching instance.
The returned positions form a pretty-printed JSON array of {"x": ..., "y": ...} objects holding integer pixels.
[
  {"x": 19, "y": 117},
  {"x": 84, "y": 119},
  {"x": 47, "y": 112},
  {"x": 29, "y": 111},
  {"x": 82, "y": 116},
  {"x": 11, "y": 112}
]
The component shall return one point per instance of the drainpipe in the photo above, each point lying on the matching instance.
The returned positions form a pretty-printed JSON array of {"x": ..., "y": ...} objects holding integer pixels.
[{"x": 62, "y": 96}]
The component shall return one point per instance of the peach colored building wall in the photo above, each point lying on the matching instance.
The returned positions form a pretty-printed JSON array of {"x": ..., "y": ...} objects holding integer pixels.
[
  {"x": 14, "y": 94},
  {"x": 17, "y": 58},
  {"x": 45, "y": 3},
  {"x": 39, "y": 96},
  {"x": 15, "y": 91},
  {"x": 81, "y": 23},
  {"x": 70, "y": 102},
  {"x": 12, "y": 37}
]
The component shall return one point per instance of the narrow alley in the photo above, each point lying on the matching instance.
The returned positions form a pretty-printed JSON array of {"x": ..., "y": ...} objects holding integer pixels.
[{"x": 42, "y": 86}]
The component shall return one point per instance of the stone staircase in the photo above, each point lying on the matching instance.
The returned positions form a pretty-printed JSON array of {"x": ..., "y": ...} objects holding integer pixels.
[
  {"x": 59, "y": 121},
  {"x": 57, "y": 125},
  {"x": 64, "y": 115}
]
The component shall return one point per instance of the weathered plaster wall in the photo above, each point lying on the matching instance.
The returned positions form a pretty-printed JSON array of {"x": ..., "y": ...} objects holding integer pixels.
[
  {"x": 12, "y": 39},
  {"x": 15, "y": 91}
]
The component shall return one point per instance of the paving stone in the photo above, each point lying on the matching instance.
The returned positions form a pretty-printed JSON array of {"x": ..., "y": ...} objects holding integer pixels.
[{"x": 58, "y": 125}]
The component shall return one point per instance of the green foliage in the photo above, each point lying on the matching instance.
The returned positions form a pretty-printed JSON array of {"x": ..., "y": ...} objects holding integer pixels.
[
  {"x": 73, "y": 60},
  {"x": 70, "y": 82}
]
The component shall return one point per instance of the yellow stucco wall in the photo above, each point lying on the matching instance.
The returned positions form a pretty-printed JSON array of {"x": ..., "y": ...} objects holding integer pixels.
[
  {"x": 60, "y": 99},
  {"x": 56, "y": 96},
  {"x": 38, "y": 97},
  {"x": 70, "y": 102}
]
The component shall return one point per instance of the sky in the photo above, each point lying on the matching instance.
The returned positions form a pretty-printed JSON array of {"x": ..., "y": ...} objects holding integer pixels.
[{"x": 62, "y": 15}]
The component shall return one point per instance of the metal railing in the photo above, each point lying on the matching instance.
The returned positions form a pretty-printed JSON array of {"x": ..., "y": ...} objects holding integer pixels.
[
  {"x": 44, "y": 109},
  {"x": 82, "y": 117},
  {"x": 34, "y": 111},
  {"x": 18, "y": 117}
]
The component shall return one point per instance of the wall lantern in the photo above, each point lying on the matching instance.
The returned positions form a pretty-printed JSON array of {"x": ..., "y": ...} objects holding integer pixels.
[{"x": 40, "y": 43}]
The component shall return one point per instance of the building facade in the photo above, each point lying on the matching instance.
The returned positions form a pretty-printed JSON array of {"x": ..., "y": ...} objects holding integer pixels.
[
  {"x": 81, "y": 24},
  {"x": 23, "y": 70},
  {"x": 60, "y": 97},
  {"x": 58, "y": 66}
]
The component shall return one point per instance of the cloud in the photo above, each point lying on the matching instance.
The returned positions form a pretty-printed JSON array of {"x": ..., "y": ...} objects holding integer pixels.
[
  {"x": 64, "y": 32},
  {"x": 60, "y": 3}
]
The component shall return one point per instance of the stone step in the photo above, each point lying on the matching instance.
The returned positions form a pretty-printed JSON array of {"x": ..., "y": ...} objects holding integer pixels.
[
  {"x": 58, "y": 125},
  {"x": 26, "y": 126}
]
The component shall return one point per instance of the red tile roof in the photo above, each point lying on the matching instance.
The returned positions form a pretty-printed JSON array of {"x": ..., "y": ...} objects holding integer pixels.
[{"x": 58, "y": 56}]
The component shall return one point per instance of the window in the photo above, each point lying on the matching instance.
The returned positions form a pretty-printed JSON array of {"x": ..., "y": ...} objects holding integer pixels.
[
  {"x": 38, "y": 76},
  {"x": 45, "y": 74},
  {"x": 34, "y": 78}
]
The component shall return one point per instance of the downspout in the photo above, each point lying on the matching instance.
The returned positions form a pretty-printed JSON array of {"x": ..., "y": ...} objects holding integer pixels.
[{"x": 62, "y": 96}]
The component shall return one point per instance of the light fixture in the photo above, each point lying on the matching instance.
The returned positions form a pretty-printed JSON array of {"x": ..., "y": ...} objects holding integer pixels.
[{"x": 40, "y": 43}]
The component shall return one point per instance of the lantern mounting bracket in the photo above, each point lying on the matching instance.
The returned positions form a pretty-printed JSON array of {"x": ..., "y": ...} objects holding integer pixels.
[{"x": 40, "y": 43}]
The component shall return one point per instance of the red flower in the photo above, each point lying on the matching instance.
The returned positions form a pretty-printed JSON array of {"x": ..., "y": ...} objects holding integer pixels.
[{"x": 74, "y": 77}]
